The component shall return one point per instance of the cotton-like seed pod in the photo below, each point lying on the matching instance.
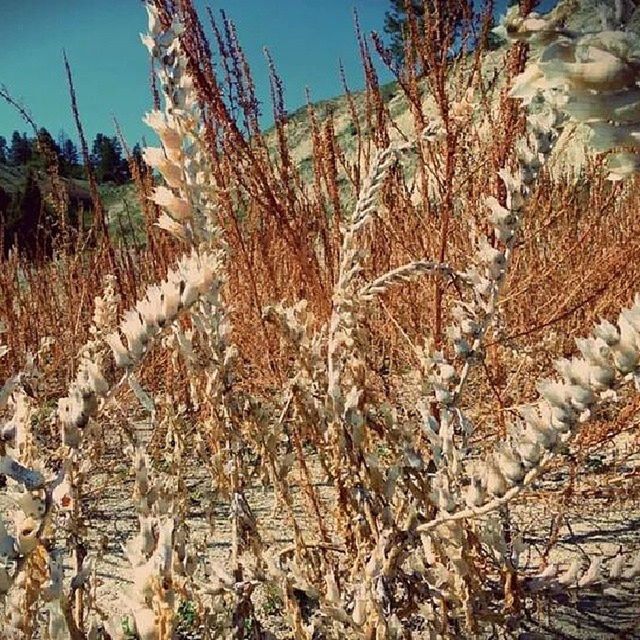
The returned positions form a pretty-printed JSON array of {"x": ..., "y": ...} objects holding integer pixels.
[
  {"x": 27, "y": 530},
  {"x": 448, "y": 373},
  {"x": 152, "y": 310},
  {"x": 469, "y": 326},
  {"x": 616, "y": 568},
  {"x": 171, "y": 171},
  {"x": 572, "y": 573},
  {"x": 632, "y": 315},
  {"x": 90, "y": 375},
  {"x": 544, "y": 436},
  {"x": 626, "y": 354},
  {"x": 71, "y": 411},
  {"x": 601, "y": 71},
  {"x": 474, "y": 494},
  {"x": 581, "y": 398},
  {"x": 460, "y": 344},
  {"x": 176, "y": 229},
  {"x": 509, "y": 464},
  {"x": 607, "y": 332},
  {"x": 595, "y": 370},
  {"x": 596, "y": 352},
  {"x": 529, "y": 84},
  {"x": 165, "y": 127},
  {"x": 178, "y": 208},
  {"x": 170, "y": 298},
  {"x": 32, "y": 506},
  {"x": 145, "y": 622},
  {"x": 574, "y": 371},
  {"x": 592, "y": 575},
  {"x": 136, "y": 332},
  {"x": 442, "y": 394},
  {"x": 502, "y": 219},
  {"x": 494, "y": 259},
  {"x": 333, "y": 593},
  {"x": 495, "y": 481},
  {"x": 359, "y": 612},
  {"x": 530, "y": 452},
  {"x": 601, "y": 378},
  {"x": 527, "y": 156},
  {"x": 121, "y": 355}
]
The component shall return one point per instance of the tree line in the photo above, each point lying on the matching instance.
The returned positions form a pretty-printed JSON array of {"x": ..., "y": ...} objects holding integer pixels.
[
  {"x": 27, "y": 219},
  {"x": 106, "y": 155}
]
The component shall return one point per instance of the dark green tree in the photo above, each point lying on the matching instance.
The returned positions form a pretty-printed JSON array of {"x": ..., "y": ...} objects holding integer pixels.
[
  {"x": 70, "y": 153},
  {"x": 396, "y": 26},
  {"x": 20, "y": 151},
  {"x": 5, "y": 202},
  {"x": 451, "y": 14},
  {"x": 106, "y": 156},
  {"x": 69, "y": 158},
  {"x": 3, "y": 150},
  {"x": 22, "y": 224}
]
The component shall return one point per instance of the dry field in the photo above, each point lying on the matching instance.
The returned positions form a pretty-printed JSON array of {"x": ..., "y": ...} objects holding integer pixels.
[{"x": 376, "y": 385}]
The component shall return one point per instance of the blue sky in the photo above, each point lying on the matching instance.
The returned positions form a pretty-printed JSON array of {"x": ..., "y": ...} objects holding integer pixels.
[{"x": 110, "y": 65}]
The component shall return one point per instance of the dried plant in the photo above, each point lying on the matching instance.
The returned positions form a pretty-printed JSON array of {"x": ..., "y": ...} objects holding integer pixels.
[{"x": 357, "y": 381}]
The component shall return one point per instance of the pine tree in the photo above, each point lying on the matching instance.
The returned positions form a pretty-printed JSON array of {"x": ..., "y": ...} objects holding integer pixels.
[
  {"x": 26, "y": 214},
  {"x": 69, "y": 158},
  {"x": 20, "y": 151},
  {"x": 397, "y": 22},
  {"x": 3, "y": 150},
  {"x": 70, "y": 153},
  {"x": 106, "y": 156}
]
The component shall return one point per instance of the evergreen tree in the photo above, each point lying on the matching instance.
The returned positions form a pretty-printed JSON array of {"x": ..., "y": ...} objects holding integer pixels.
[
  {"x": 45, "y": 151},
  {"x": 26, "y": 217},
  {"x": 69, "y": 158},
  {"x": 397, "y": 22},
  {"x": 20, "y": 151},
  {"x": 5, "y": 202},
  {"x": 70, "y": 153},
  {"x": 106, "y": 156},
  {"x": 136, "y": 152},
  {"x": 3, "y": 150},
  {"x": 46, "y": 139}
]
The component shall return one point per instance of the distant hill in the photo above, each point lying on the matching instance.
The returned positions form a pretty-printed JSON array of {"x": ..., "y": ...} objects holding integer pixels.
[{"x": 120, "y": 201}]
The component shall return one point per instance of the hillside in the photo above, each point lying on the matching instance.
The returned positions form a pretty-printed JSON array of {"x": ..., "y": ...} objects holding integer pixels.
[
  {"x": 570, "y": 156},
  {"x": 120, "y": 201}
]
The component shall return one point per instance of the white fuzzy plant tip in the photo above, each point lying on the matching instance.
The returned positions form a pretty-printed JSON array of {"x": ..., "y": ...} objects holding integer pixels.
[
  {"x": 186, "y": 200},
  {"x": 195, "y": 276},
  {"x": 592, "y": 78}
]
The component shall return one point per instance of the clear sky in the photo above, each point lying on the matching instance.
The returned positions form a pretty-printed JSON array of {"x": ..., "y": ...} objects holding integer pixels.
[{"x": 110, "y": 64}]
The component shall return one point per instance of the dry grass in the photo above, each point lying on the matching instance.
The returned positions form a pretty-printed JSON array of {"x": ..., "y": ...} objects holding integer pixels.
[{"x": 280, "y": 377}]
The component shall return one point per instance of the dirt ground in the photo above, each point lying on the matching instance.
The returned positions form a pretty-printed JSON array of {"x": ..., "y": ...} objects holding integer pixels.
[{"x": 594, "y": 527}]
